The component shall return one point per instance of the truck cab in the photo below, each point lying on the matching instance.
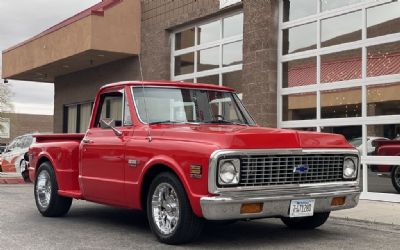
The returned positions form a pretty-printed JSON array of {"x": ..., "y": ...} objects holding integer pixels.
[{"x": 185, "y": 153}]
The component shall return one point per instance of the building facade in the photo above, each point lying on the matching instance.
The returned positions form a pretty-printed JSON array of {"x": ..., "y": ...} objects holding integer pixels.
[
  {"x": 320, "y": 65},
  {"x": 20, "y": 124}
]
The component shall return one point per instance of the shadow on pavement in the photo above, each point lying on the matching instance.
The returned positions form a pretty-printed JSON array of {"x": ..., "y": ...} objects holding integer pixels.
[{"x": 241, "y": 234}]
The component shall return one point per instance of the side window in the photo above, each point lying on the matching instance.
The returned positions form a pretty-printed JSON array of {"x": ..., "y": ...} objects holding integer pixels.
[
  {"x": 28, "y": 141},
  {"x": 127, "y": 113},
  {"x": 23, "y": 142},
  {"x": 113, "y": 106},
  {"x": 18, "y": 143},
  {"x": 12, "y": 145}
]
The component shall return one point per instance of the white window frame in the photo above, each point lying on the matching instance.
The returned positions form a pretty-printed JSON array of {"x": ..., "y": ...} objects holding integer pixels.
[
  {"x": 196, "y": 48},
  {"x": 363, "y": 83}
]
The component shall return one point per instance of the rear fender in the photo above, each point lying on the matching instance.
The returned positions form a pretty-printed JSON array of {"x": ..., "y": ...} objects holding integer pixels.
[
  {"x": 42, "y": 157},
  {"x": 64, "y": 162}
]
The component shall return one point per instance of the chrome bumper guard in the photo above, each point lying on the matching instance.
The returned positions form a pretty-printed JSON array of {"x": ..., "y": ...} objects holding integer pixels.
[{"x": 227, "y": 206}]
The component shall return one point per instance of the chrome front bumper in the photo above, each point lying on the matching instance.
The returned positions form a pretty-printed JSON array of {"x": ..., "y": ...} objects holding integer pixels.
[{"x": 227, "y": 206}]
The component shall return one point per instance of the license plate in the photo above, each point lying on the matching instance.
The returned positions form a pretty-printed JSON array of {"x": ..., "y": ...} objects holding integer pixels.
[{"x": 301, "y": 208}]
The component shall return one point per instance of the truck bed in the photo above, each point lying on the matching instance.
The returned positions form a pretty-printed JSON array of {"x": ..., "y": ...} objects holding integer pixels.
[
  {"x": 58, "y": 137},
  {"x": 62, "y": 150}
]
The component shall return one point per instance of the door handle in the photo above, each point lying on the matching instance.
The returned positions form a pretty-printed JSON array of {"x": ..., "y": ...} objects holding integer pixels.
[{"x": 87, "y": 141}]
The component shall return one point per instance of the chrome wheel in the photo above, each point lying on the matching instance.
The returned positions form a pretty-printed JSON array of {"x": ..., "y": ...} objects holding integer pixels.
[
  {"x": 22, "y": 166},
  {"x": 165, "y": 208},
  {"x": 43, "y": 189}
]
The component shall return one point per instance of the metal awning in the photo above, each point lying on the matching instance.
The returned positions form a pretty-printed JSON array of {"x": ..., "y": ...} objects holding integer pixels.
[{"x": 106, "y": 32}]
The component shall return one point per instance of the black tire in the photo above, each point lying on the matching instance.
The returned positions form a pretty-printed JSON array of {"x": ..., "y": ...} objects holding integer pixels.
[
  {"x": 25, "y": 174},
  {"x": 395, "y": 176},
  {"x": 188, "y": 227},
  {"x": 58, "y": 205},
  {"x": 306, "y": 223}
]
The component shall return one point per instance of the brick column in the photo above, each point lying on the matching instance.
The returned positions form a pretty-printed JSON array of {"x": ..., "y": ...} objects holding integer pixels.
[{"x": 260, "y": 43}]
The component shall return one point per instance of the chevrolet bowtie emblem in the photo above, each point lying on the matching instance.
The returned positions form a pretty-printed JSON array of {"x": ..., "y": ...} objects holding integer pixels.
[{"x": 301, "y": 169}]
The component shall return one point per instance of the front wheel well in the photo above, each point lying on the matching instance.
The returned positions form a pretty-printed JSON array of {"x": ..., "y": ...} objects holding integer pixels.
[
  {"x": 148, "y": 177},
  {"x": 42, "y": 160}
]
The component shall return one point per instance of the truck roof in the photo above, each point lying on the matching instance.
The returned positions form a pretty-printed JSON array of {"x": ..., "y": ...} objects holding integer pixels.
[{"x": 169, "y": 84}]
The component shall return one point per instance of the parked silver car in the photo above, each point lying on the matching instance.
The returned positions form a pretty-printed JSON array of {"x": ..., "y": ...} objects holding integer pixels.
[
  {"x": 357, "y": 143},
  {"x": 12, "y": 159}
]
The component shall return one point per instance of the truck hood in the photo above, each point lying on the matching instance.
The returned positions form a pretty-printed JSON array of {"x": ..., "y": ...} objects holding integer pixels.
[{"x": 243, "y": 137}]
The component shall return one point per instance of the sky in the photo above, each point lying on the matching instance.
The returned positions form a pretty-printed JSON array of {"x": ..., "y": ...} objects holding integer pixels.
[{"x": 21, "y": 20}]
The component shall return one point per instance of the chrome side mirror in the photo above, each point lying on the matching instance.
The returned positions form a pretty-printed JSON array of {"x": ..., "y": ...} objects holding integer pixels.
[{"x": 108, "y": 124}]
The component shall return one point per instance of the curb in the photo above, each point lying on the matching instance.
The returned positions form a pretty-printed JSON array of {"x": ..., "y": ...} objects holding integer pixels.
[
  {"x": 374, "y": 222},
  {"x": 12, "y": 181}
]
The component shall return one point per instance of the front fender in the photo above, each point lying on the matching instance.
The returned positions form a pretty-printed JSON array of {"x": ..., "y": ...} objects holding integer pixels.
[{"x": 169, "y": 162}]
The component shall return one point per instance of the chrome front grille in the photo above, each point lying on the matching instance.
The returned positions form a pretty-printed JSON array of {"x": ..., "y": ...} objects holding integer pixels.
[{"x": 274, "y": 170}]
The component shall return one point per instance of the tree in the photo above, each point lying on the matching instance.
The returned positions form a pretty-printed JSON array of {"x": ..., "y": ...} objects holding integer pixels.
[{"x": 5, "y": 100}]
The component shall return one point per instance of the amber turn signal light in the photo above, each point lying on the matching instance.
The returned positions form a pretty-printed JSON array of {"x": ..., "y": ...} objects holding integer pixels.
[
  {"x": 195, "y": 171},
  {"x": 338, "y": 201},
  {"x": 251, "y": 208}
]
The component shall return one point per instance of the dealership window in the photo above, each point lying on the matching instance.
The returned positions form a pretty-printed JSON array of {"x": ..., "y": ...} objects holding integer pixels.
[
  {"x": 339, "y": 71},
  {"x": 209, "y": 52},
  {"x": 77, "y": 117}
]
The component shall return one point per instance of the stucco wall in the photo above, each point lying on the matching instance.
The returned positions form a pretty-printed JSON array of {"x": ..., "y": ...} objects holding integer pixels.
[
  {"x": 70, "y": 40},
  {"x": 62, "y": 48}
]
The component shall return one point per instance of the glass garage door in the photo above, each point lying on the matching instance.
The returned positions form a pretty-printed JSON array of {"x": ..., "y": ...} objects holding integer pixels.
[{"x": 339, "y": 72}]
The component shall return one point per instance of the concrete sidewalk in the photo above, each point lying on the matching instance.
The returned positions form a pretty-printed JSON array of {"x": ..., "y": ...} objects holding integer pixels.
[
  {"x": 372, "y": 211},
  {"x": 11, "y": 178}
]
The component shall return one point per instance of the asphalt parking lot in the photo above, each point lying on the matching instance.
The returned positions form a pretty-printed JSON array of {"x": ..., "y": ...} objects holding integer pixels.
[{"x": 92, "y": 226}]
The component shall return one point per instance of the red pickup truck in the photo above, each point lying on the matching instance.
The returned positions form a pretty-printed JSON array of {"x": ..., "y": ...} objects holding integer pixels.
[{"x": 186, "y": 153}]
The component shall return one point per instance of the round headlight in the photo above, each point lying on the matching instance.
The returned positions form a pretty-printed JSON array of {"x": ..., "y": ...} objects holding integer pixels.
[
  {"x": 349, "y": 168},
  {"x": 229, "y": 171}
]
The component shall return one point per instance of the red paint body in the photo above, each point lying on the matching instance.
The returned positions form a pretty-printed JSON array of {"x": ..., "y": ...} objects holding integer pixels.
[
  {"x": 386, "y": 148},
  {"x": 100, "y": 171},
  {"x": 8, "y": 165}
]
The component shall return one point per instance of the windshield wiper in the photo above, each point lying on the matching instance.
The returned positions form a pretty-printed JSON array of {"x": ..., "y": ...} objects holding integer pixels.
[
  {"x": 226, "y": 122},
  {"x": 166, "y": 121}
]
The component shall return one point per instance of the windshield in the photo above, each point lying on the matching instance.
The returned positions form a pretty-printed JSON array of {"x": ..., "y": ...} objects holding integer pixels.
[{"x": 174, "y": 105}]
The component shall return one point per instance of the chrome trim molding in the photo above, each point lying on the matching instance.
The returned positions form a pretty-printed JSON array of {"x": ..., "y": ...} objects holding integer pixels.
[
  {"x": 213, "y": 167},
  {"x": 226, "y": 207}
]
